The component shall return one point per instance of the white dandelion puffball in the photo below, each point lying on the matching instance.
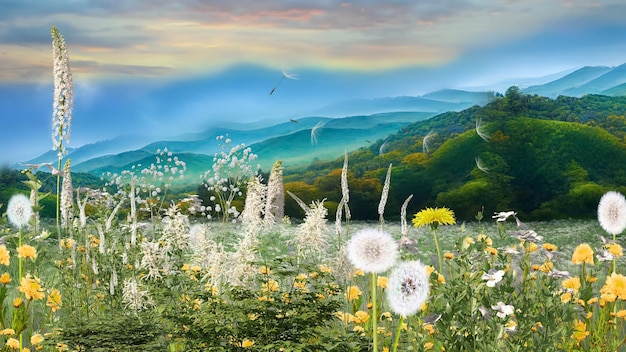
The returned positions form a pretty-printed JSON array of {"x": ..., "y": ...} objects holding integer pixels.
[
  {"x": 372, "y": 251},
  {"x": 407, "y": 288},
  {"x": 19, "y": 210},
  {"x": 612, "y": 212}
]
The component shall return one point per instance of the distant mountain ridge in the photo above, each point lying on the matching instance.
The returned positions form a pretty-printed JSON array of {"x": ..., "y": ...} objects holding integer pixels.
[{"x": 362, "y": 122}]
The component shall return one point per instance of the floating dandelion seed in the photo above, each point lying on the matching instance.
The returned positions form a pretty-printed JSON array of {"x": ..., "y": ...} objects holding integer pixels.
[
  {"x": 481, "y": 132},
  {"x": 285, "y": 75},
  {"x": 53, "y": 170},
  {"x": 426, "y": 142},
  {"x": 480, "y": 165},
  {"x": 315, "y": 131}
]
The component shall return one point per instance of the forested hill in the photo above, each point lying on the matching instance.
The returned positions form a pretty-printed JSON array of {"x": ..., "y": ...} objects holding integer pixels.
[{"x": 545, "y": 158}]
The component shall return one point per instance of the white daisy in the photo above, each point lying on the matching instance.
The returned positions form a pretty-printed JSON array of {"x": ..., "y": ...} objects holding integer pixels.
[
  {"x": 493, "y": 277},
  {"x": 503, "y": 309},
  {"x": 407, "y": 288},
  {"x": 372, "y": 251}
]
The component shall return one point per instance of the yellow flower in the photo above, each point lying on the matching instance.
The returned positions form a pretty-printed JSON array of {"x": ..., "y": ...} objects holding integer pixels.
[
  {"x": 580, "y": 331},
  {"x": 7, "y": 332},
  {"x": 358, "y": 272},
  {"x": 484, "y": 238},
  {"x": 566, "y": 297},
  {"x": 572, "y": 283},
  {"x": 345, "y": 317},
  {"x": 265, "y": 270},
  {"x": 54, "y": 300},
  {"x": 547, "y": 266},
  {"x": 434, "y": 217},
  {"x": 621, "y": 314},
  {"x": 381, "y": 281},
  {"x": 583, "y": 254},
  {"x": 491, "y": 251},
  {"x": 325, "y": 268},
  {"x": 27, "y": 252},
  {"x": 36, "y": 339},
  {"x": 4, "y": 256},
  {"x": 31, "y": 288},
  {"x": 5, "y": 278},
  {"x": 247, "y": 343},
  {"x": 13, "y": 343},
  {"x": 448, "y": 255},
  {"x": 428, "y": 346},
  {"x": 532, "y": 246},
  {"x": 17, "y": 302},
  {"x": 271, "y": 286},
  {"x": 300, "y": 285},
  {"x": 467, "y": 241},
  {"x": 614, "y": 287},
  {"x": 592, "y": 300},
  {"x": 441, "y": 279},
  {"x": 361, "y": 317},
  {"x": 615, "y": 249},
  {"x": 353, "y": 293},
  {"x": 67, "y": 243},
  {"x": 549, "y": 247},
  {"x": 429, "y": 328},
  {"x": 358, "y": 328}
]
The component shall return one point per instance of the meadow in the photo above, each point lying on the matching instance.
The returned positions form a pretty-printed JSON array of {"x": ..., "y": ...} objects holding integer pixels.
[{"x": 125, "y": 267}]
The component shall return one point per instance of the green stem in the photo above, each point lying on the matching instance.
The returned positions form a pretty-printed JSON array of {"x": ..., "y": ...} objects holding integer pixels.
[
  {"x": 439, "y": 260},
  {"x": 374, "y": 313},
  {"x": 397, "y": 339},
  {"x": 58, "y": 212}
]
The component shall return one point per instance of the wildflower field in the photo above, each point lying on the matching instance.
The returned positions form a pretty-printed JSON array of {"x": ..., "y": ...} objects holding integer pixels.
[{"x": 126, "y": 267}]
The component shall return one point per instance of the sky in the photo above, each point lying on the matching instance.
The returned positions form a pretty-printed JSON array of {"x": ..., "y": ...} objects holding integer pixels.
[{"x": 166, "y": 67}]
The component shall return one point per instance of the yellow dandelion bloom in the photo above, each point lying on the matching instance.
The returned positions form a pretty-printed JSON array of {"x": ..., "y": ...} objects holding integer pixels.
[
  {"x": 621, "y": 314},
  {"x": 27, "y": 252},
  {"x": 31, "y": 288},
  {"x": 615, "y": 249},
  {"x": 247, "y": 343},
  {"x": 12, "y": 343},
  {"x": 301, "y": 276},
  {"x": 385, "y": 349},
  {"x": 434, "y": 217},
  {"x": 572, "y": 283},
  {"x": 358, "y": 328},
  {"x": 36, "y": 339},
  {"x": 429, "y": 328},
  {"x": 592, "y": 300},
  {"x": 5, "y": 278},
  {"x": 54, "y": 300},
  {"x": 358, "y": 272},
  {"x": 583, "y": 254},
  {"x": 441, "y": 279},
  {"x": 448, "y": 255},
  {"x": 381, "y": 281},
  {"x": 301, "y": 286},
  {"x": 386, "y": 315},
  {"x": 67, "y": 243},
  {"x": 5, "y": 257},
  {"x": 580, "y": 331},
  {"x": 429, "y": 269},
  {"x": 531, "y": 247},
  {"x": 353, "y": 293},
  {"x": 428, "y": 346},
  {"x": 550, "y": 247},
  {"x": 614, "y": 288}
]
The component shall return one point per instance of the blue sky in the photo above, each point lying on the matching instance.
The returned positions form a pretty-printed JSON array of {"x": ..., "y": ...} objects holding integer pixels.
[{"x": 167, "y": 67}]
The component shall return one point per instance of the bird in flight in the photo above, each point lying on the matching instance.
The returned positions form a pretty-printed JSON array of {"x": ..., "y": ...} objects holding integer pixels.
[
  {"x": 285, "y": 75},
  {"x": 294, "y": 120}
]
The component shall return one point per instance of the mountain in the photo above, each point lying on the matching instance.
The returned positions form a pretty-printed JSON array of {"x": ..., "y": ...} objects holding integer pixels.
[
  {"x": 457, "y": 96},
  {"x": 577, "y": 78},
  {"x": 608, "y": 80}
]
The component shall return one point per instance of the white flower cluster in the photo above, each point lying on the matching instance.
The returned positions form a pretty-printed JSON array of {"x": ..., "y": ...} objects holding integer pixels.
[
  {"x": 311, "y": 236},
  {"x": 230, "y": 171}
]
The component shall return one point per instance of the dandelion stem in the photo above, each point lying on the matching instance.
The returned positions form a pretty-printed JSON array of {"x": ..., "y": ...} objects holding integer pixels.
[
  {"x": 397, "y": 339},
  {"x": 374, "y": 313},
  {"x": 439, "y": 260}
]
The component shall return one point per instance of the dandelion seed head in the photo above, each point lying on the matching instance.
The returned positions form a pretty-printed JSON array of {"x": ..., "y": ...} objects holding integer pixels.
[
  {"x": 407, "y": 288},
  {"x": 612, "y": 212},
  {"x": 372, "y": 250},
  {"x": 19, "y": 210}
]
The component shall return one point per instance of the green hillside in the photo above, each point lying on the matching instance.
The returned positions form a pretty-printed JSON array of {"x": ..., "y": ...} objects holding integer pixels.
[{"x": 545, "y": 158}]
